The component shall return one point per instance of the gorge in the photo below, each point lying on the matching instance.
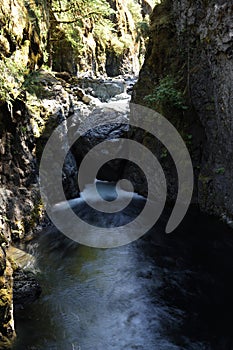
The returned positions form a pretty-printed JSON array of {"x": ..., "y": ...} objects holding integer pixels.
[{"x": 162, "y": 291}]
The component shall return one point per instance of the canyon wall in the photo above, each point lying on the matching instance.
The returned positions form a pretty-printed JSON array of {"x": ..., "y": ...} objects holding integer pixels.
[
  {"x": 191, "y": 44},
  {"x": 30, "y": 108},
  {"x": 20, "y": 45},
  {"x": 116, "y": 48},
  {"x": 189, "y": 54}
]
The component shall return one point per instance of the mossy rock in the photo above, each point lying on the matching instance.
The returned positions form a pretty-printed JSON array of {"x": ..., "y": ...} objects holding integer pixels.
[{"x": 5, "y": 305}]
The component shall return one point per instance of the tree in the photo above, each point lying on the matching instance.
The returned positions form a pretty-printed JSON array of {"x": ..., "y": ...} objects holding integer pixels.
[{"x": 71, "y": 21}]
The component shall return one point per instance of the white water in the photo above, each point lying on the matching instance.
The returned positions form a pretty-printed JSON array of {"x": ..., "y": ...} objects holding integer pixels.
[{"x": 90, "y": 194}]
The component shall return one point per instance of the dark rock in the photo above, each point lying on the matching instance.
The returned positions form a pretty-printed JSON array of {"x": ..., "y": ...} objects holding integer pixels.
[
  {"x": 102, "y": 89},
  {"x": 26, "y": 288},
  {"x": 63, "y": 75},
  {"x": 112, "y": 170},
  {"x": 2, "y": 261},
  {"x": 70, "y": 176},
  {"x": 78, "y": 92},
  {"x": 191, "y": 42}
]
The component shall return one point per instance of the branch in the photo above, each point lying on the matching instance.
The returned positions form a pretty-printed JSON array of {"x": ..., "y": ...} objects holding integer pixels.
[
  {"x": 68, "y": 22},
  {"x": 62, "y": 11},
  {"x": 77, "y": 19}
]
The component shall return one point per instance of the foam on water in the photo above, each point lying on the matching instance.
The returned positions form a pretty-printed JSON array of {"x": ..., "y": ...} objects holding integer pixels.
[{"x": 107, "y": 190}]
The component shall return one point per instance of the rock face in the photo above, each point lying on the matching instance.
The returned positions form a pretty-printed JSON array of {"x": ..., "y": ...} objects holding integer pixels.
[
  {"x": 22, "y": 41},
  {"x": 115, "y": 115},
  {"x": 23, "y": 34},
  {"x": 106, "y": 53},
  {"x": 24, "y": 131},
  {"x": 26, "y": 288},
  {"x": 192, "y": 42},
  {"x": 7, "y": 332},
  {"x": 26, "y": 123},
  {"x": 103, "y": 89},
  {"x": 53, "y": 108},
  {"x": 23, "y": 137}
]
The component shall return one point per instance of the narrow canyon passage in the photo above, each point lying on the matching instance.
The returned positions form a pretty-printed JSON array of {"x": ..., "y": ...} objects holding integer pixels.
[{"x": 69, "y": 71}]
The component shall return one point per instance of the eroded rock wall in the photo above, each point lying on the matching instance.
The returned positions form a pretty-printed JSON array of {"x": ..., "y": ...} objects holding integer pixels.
[
  {"x": 25, "y": 131},
  {"x": 106, "y": 54},
  {"x": 192, "y": 41},
  {"x": 23, "y": 31},
  {"x": 7, "y": 332},
  {"x": 29, "y": 111},
  {"x": 20, "y": 48}
]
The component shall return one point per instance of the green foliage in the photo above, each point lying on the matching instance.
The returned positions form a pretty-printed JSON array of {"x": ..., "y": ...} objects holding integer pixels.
[
  {"x": 32, "y": 83},
  {"x": 104, "y": 31},
  {"x": 75, "y": 16},
  {"x": 137, "y": 29},
  {"x": 220, "y": 171},
  {"x": 79, "y": 25},
  {"x": 164, "y": 153},
  {"x": 135, "y": 10},
  {"x": 120, "y": 44},
  {"x": 15, "y": 79},
  {"x": 74, "y": 20},
  {"x": 23, "y": 129},
  {"x": 11, "y": 80},
  {"x": 143, "y": 28},
  {"x": 166, "y": 94},
  {"x": 188, "y": 138},
  {"x": 73, "y": 11}
]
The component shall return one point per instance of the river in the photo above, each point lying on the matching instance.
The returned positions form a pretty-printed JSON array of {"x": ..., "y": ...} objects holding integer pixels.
[{"x": 162, "y": 292}]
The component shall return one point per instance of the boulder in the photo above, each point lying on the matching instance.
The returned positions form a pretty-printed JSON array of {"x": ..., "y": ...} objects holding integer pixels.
[
  {"x": 115, "y": 128},
  {"x": 103, "y": 89},
  {"x": 26, "y": 288}
]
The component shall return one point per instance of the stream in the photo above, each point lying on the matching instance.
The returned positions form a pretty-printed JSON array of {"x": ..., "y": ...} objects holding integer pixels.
[{"x": 161, "y": 292}]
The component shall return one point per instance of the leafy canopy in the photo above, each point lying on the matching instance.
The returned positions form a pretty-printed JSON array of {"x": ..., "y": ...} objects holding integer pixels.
[{"x": 75, "y": 11}]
